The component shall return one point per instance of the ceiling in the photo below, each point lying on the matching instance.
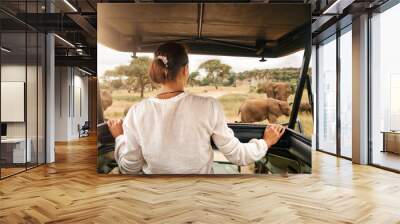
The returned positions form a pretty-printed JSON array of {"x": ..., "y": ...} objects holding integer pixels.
[
  {"x": 210, "y": 28},
  {"x": 75, "y": 26},
  {"x": 23, "y": 48},
  {"x": 270, "y": 28}
]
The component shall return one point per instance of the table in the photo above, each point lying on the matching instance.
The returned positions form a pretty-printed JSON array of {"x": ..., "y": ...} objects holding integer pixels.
[
  {"x": 391, "y": 141},
  {"x": 13, "y": 150}
]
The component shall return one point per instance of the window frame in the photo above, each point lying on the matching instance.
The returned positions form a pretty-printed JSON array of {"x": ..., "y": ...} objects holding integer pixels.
[
  {"x": 25, "y": 30},
  {"x": 378, "y": 10},
  {"x": 334, "y": 36},
  {"x": 342, "y": 32}
]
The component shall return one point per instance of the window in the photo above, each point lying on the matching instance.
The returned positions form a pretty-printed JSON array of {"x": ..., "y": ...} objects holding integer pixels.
[
  {"x": 385, "y": 88},
  {"x": 15, "y": 155},
  {"x": 236, "y": 82},
  {"x": 346, "y": 93},
  {"x": 22, "y": 87},
  {"x": 327, "y": 95},
  {"x": 249, "y": 83},
  {"x": 304, "y": 124}
]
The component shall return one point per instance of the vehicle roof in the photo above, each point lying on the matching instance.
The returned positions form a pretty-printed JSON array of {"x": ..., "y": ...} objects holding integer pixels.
[{"x": 248, "y": 29}]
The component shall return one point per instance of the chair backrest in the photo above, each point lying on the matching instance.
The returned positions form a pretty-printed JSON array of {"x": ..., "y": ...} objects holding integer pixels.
[{"x": 86, "y": 125}]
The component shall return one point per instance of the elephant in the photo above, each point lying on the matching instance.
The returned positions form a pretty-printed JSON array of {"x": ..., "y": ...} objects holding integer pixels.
[
  {"x": 276, "y": 90},
  {"x": 253, "y": 110},
  {"x": 305, "y": 107},
  {"x": 106, "y": 99}
]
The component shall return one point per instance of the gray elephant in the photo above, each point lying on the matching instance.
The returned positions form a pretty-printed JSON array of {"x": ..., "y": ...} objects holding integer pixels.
[
  {"x": 253, "y": 110},
  {"x": 276, "y": 90}
]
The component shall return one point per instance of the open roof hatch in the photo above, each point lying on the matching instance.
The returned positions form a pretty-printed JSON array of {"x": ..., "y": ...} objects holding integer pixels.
[{"x": 247, "y": 30}]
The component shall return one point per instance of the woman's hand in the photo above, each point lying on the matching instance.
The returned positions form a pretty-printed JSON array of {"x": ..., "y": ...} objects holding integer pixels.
[
  {"x": 115, "y": 127},
  {"x": 273, "y": 133}
]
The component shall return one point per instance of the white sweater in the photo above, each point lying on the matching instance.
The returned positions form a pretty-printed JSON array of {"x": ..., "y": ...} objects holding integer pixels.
[{"x": 173, "y": 136}]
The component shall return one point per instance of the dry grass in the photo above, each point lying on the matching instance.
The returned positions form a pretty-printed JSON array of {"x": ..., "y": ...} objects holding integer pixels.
[
  {"x": 306, "y": 120},
  {"x": 230, "y": 98}
]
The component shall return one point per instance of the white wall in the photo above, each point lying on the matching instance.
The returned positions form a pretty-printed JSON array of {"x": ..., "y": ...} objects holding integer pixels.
[
  {"x": 360, "y": 90},
  {"x": 50, "y": 94},
  {"x": 70, "y": 83},
  {"x": 79, "y": 112},
  {"x": 33, "y": 126},
  {"x": 61, "y": 103},
  {"x": 12, "y": 73}
]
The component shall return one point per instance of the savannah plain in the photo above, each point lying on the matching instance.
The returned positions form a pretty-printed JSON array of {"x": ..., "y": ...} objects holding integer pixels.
[{"x": 230, "y": 98}]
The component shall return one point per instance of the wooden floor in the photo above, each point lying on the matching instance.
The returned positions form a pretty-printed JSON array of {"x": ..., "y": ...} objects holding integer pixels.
[
  {"x": 387, "y": 159},
  {"x": 10, "y": 171},
  {"x": 70, "y": 191}
]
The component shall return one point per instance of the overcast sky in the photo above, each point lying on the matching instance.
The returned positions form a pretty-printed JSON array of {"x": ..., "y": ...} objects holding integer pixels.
[{"x": 108, "y": 58}]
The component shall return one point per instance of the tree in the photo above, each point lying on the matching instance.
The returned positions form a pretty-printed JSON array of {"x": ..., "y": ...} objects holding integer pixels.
[
  {"x": 137, "y": 73},
  {"x": 117, "y": 84},
  {"x": 216, "y": 71},
  {"x": 205, "y": 82},
  {"x": 193, "y": 78},
  {"x": 231, "y": 80},
  {"x": 134, "y": 75}
]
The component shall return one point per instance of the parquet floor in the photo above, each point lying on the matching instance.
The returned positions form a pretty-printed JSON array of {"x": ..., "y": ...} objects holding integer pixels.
[
  {"x": 387, "y": 159},
  {"x": 70, "y": 191},
  {"x": 10, "y": 171}
]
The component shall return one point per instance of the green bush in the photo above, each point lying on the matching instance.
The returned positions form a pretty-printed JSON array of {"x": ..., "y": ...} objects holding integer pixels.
[{"x": 205, "y": 82}]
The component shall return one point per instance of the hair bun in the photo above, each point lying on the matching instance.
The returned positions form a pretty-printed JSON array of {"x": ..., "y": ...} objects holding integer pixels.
[
  {"x": 163, "y": 59},
  {"x": 169, "y": 59}
]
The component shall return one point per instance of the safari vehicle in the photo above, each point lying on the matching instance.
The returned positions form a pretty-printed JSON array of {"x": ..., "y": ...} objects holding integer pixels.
[{"x": 245, "y": 30}]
